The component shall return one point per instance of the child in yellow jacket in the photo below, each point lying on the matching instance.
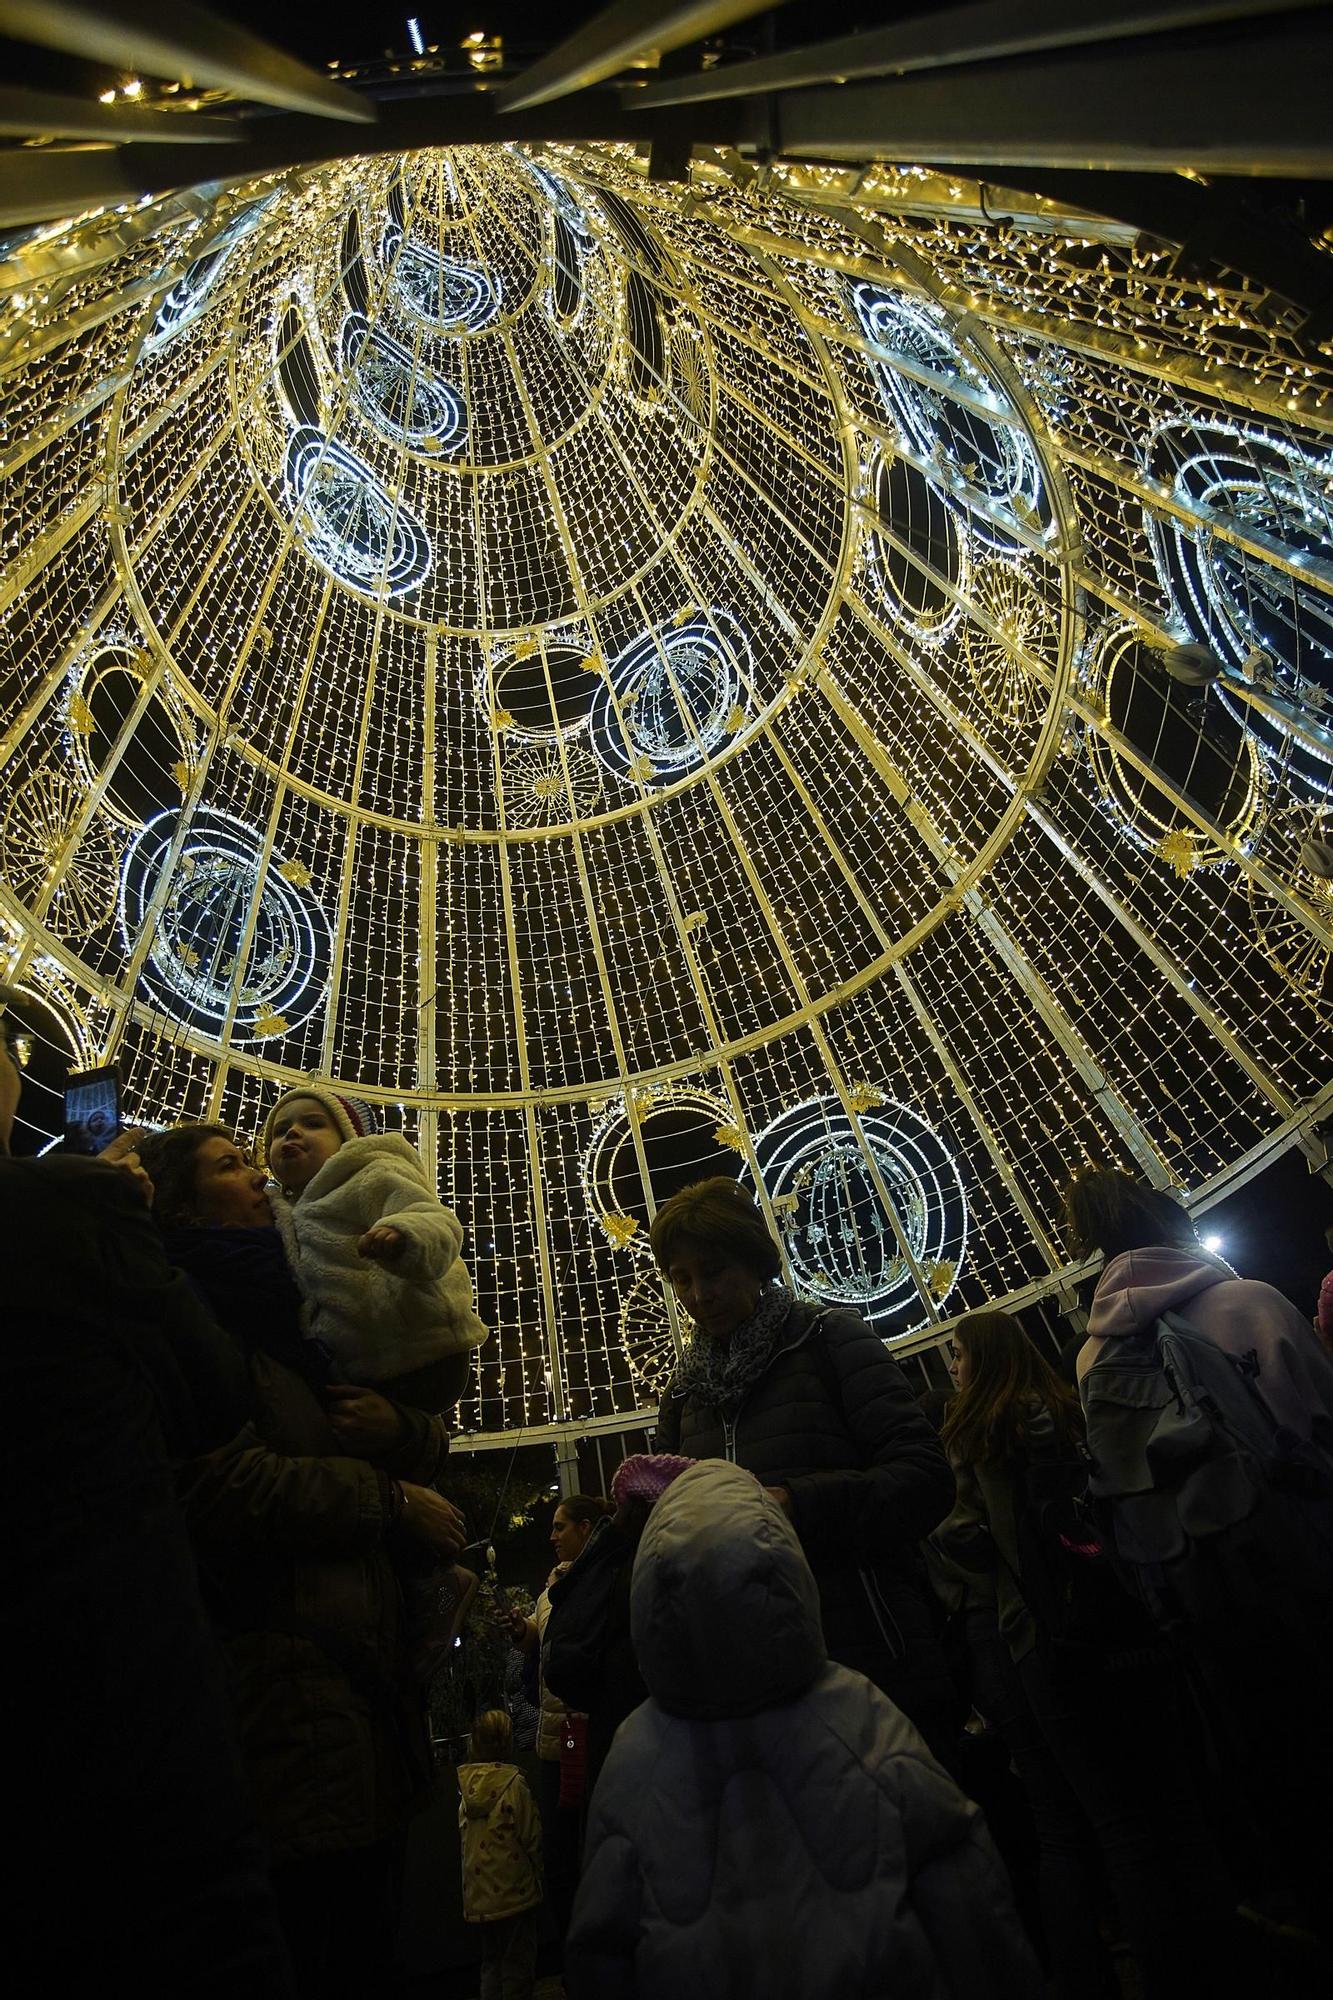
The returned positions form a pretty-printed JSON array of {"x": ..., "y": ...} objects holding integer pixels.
[{"x": 502, "y": 1860}]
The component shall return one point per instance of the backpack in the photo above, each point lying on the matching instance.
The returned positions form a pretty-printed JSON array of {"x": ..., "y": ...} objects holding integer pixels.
[
  {"x": 1214, "y": 1512},
  {"x": 1066, "y": 1574}
]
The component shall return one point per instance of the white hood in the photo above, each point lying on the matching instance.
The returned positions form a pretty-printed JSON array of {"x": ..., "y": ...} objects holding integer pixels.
[{"x": 723, "y": 1608}]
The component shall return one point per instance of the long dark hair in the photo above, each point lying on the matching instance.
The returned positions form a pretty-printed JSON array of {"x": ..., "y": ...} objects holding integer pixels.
[
  {"x": 1005, "y": 1373},
  {"x": 170, "y": 1160},
  {"x": 1109, "y": 1211}
]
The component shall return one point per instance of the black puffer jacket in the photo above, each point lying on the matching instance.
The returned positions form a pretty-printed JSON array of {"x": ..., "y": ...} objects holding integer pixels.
[
  {"x": 833, "y": 1420},
  {"x": 122, "y": 1747}
]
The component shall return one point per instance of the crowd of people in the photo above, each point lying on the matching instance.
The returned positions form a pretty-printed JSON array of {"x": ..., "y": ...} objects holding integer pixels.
[{"x": 841, "y": 1692}]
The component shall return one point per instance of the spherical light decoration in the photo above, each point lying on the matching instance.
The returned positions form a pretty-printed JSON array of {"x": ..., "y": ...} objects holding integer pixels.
[
  {"x": 404, "y": 402},
  {"x": 673, "y": 697},
  {"x": 231, "y": 944},
  {"x": 54, "y": 854},
  {"x": 646, "y": 680},
  {"x": 865, "y": 1216},
  {"x": 349, "y": 521}
]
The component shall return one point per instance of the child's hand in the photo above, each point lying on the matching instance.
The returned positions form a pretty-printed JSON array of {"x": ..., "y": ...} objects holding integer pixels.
[
  {"x": 383, "y": 1244},
  {"x": 364, "y": 1421}
]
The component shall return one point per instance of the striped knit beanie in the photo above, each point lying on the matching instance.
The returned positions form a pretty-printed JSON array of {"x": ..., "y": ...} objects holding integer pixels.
[{"x": 353, "y": 1119}]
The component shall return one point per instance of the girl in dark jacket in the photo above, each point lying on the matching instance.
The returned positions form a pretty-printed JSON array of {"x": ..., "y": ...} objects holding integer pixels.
[
  {"x": 1095, "y": 1737},
  {"x": 808, "y": 1400}
]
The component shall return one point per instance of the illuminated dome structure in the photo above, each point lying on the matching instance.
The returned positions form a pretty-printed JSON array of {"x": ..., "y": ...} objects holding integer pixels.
[{"x": 788, "y": 675}]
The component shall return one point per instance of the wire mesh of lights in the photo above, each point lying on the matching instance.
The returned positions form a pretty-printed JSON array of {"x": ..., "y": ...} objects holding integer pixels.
[{"x": 643, "y": 686}]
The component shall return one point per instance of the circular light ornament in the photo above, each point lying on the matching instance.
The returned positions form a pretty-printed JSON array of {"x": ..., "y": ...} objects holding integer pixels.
[
  {"x": 42, "y": 841},
  {"x": 680, "y": 1137},
  {"x": 348, "y": 521},
  {"x": 645, "y": 1335},
  {"x": 1234, "y": 600},
  {"x": 445, "y": 294},
  {"x": 154, "y": 767},
  {"x": 840, "y": 1242},
  {"x": 673, "y": 698},
  {"x": 920, "y": 572},
  {"x": 1302, "y": 955},
  {"x": 403, "y": 400},
  {"x": 187, "y": 297},
  {"x": 1198, "y": 745},
  {"x": 545, "y": 687},
  {"x": 1001, "y": 654},
  {"x": 539, "y": 783},
  {"x": 950, "y": 412},
  {"x": 199, "y": 931}
]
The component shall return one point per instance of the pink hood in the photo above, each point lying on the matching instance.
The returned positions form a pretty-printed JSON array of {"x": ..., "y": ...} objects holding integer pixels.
[
  {"x": 1239, "y": 1314},
  {"x": 1138, "y": 1286}
]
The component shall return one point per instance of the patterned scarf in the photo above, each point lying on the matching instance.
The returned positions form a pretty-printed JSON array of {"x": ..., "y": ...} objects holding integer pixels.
[{"x": 718, "y": 1372}]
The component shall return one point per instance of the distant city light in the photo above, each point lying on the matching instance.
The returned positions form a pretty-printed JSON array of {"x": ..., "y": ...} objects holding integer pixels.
[
  {"x": 133, "y": 88},
  {"x": 415, "y": 35},
  {"x": 1213, "y": 1243}
]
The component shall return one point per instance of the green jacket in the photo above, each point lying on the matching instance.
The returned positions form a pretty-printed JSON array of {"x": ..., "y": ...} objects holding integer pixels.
[{"x": 290, "y": 1536}]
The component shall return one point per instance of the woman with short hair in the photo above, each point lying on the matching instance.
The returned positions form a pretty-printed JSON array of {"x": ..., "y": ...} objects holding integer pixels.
[{"x": 806, "y": 1398}]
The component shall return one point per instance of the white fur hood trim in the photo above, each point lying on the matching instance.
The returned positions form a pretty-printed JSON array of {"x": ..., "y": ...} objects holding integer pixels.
[{"x": 380, "y": 1321}]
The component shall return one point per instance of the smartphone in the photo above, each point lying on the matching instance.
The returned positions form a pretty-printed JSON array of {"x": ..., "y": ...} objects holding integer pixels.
[{"x": 92, "y": 1109}]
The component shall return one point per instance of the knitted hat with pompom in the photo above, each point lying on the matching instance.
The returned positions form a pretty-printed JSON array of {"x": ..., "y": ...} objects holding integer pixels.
[
  {"x": 646, "y": 1476},
  {"x": 353, "y": 1119}
]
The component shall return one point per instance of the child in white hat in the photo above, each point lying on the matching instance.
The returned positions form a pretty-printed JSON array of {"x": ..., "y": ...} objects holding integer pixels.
[
  {"x": 374, "y": 1249},
  {"x": 376, "y": 1254}
]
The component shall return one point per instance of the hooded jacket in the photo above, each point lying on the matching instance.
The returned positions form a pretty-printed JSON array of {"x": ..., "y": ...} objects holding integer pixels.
[
  {"x": 502, "y": 1843},
  {"x": 767, "y": 1823},
  {"x": 1240, "y": 1314},
  {"x": 833, "y": 1420},
  {"x": 381, "y": 1322}
]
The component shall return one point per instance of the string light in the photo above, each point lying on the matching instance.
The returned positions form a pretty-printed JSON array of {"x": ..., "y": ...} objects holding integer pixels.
[{"x": 644, "y": 684}]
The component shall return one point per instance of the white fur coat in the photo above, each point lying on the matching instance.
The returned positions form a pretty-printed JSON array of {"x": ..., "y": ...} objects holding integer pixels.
[{"x": 379, "y": 1320}]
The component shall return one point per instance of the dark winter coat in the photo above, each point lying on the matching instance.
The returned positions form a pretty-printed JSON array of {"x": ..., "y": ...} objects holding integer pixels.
[
  {"x": 833, "y": 1420},
  {"x": 768, "y": 1824},
  {"x": 588, "y": 1658},
  {"x": 291, "y": 1535},
  {"x": 121, "y": 1747}
]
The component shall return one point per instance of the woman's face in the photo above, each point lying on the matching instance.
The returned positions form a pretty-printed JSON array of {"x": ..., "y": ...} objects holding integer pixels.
[
  {"x": 958, "y": 1364},
  {"x": 228, "y": 1190},
  {"x": 304, "y": 1136},
  {"x": 569, "y": 1538},
  {"x": 717, "y": 1292}
]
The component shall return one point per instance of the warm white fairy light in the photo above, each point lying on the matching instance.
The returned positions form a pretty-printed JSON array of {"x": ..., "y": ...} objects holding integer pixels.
[{"x": 508, "y": 635}]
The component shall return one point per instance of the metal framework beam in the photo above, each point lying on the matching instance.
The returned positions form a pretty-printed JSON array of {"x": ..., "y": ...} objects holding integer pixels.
[
  {"x": 629, "y": 29},
  {"x": 1255, "y": 104},
  {"x": 49, "y": 114},
  {"x": 40, "y": 186},
  {"x": 185, "y": 41},
  {"x": 982, "y": 33}
]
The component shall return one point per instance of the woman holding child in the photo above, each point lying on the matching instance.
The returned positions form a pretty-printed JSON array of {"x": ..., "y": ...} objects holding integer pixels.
[{"x": 298, "y": 1525}]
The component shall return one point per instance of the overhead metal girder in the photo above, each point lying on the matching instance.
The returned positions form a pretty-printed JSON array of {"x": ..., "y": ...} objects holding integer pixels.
[
  {"x": 615, "y": 37},
  {"x": 982, "y": 33},
  {"x": 44, "y": 113},
  {"x": 40, "y": 185},
  {"x": 1247, "y": 105},
  {"x": 182, "y": 40}
]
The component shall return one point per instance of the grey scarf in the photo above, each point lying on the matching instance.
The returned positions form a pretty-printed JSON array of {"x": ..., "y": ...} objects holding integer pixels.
[{"x": 718, "y": 1373}]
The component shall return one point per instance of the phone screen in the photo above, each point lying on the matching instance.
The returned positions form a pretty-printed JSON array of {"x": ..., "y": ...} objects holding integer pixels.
[{"x": 92, "y": 1110}]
